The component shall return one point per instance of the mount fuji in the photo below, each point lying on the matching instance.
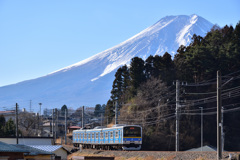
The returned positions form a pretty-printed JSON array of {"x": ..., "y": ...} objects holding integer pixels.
[{"x": 89, "y": 82}]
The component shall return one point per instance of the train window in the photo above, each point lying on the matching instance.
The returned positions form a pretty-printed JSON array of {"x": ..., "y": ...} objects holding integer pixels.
[
  {"x": 88, "y": 135},
  {"x": 116, "y": 134},
  {"x": 78, "y": 135},
  {"x": 81, "y": 135},
  {"x": 96, "y": 135},
  {"x": 92, "y": 135},
  {"x": 85, "y": 135},
  {"x": 106, "y": 135},
  {"x": 101, "y": 135},
  {"x": 111, "y": 134}
]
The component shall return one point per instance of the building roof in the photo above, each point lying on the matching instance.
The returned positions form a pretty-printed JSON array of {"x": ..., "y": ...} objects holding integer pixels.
[
  {"x": 48, "y": 148},
  {"x": 74, "y": 127},
  {"x": 7, "y": 112},
  {"x": 32, "y": 151},
  {"x": 4, "y": 147},
  {"x": 205, "y": 148}
]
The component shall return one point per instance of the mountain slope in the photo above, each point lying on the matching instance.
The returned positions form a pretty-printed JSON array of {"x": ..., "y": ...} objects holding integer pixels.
[{"x": 88, "y": 82}]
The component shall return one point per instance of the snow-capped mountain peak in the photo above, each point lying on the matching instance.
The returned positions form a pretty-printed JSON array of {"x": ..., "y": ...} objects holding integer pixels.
[{"x": 89, "y": 82}]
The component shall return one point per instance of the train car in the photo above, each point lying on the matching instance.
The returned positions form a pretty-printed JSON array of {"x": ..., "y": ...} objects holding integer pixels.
[{"x": 125, "y": 137}]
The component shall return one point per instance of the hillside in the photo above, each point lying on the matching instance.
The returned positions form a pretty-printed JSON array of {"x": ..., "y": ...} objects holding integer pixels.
[{"x": 89, "y": 82}]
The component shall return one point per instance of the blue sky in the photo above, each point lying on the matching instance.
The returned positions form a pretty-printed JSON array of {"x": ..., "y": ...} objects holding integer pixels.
[{"x": 41, "y": 36}]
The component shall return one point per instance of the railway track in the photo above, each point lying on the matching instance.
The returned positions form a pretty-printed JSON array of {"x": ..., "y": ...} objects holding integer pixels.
[{"x": 154, "y": 155}]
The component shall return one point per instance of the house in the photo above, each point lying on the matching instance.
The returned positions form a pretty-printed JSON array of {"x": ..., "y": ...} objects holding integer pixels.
[
  {"x": 72, "y": 128},
  {"x": 35, "y": 153},
  {"x": 10, "y": 152},
  {"x": 59, "y": 151},
  {"x": 8, "y": 115}
]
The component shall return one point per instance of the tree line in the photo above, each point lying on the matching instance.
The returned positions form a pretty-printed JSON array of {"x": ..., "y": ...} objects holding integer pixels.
[{"x": 145, "y": 92}]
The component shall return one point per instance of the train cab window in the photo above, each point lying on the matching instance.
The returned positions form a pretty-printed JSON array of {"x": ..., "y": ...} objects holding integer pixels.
[
  {"x": 132, "y": 132},
  {"x": 116, "y": 134},
  {"x": 111, "y": 135},
  {"x": 101, "y": 135},
  {"x": 106, "y": 135}
]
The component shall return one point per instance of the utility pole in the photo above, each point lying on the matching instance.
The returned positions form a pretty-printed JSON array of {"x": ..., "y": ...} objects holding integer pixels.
[
  {"x": 219, "y": 125},
  {"x": 101, "y": 119},
  {"x": 177, "y": 116},
  {"x": 201, "y": 128},
  {"x": 82, "y": 116},
  {"x": 53, "y": 124},
  {"x": 16, "y": 114},
  {"x": 56, "y": 125},
  {"x": 116, "y": 113},
  {"x": 107, "y": 118},
  {"x": 38, "y": 121},
  {"x": 40, "y": 104},
  {"x": 30, "y": 106},
  {"x": 222, "y": 133},
  {"x": 65, "y": 126}
]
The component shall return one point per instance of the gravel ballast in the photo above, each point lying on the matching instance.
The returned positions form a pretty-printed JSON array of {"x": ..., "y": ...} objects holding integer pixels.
[{"x": 155, "y": 155}]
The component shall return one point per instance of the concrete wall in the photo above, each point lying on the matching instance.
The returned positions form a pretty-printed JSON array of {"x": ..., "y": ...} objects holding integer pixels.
[
  {"x": 38, "y": 157},
  {"x": 61, "y": 152},
  {"x": 28, "y": 141}
]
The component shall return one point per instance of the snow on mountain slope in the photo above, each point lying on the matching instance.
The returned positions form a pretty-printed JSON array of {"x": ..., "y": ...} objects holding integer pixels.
[{"x": 89, "y": 82}]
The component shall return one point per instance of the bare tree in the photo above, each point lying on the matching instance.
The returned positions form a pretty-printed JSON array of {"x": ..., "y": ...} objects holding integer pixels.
[{"x": 28, "y": 123}]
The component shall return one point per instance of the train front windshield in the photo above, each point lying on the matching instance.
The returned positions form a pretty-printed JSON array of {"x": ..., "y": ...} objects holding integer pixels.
[{"x": 132, "y": 132}]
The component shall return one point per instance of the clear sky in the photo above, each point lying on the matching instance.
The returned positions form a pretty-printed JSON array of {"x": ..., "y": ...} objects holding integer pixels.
[{"x": 38, "y": 37}]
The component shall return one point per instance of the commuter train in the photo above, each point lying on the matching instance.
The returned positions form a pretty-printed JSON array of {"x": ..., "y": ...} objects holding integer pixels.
[{"x": 125, "y": 137}]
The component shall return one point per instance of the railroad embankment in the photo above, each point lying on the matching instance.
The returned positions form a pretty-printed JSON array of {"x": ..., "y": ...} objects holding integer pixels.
[{"x": 155, "y": 155}]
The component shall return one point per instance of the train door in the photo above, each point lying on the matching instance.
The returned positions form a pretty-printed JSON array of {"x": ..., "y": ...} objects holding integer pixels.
[
  {"x": 106, "y": 137},
  {"x": 101, "y": 137}
]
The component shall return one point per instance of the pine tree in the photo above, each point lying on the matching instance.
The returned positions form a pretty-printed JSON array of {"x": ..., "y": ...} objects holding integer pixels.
[
  {"x": 10, "y": 128},
  {"x": 117, "y": 86},
  {"x": 149, "y": 67},
  {"x": 109, "y": 112},
  {"x": 168, "y": 73},
  {"x": 63, "y": 110},
  {"x": 126, "y": 78},
  {"x": 97, "y": 110},
  {"x": 137, "y": 74},
  {"x": 2, "y": 125}
]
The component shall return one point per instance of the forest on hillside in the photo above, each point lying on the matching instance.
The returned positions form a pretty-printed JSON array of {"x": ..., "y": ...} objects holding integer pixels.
[{"x": 145, "y": 92}]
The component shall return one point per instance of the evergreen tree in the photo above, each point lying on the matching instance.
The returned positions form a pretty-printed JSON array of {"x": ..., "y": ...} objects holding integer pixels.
[
  {"x": 2, "y": 121},
  {"x": 126, "y": 78},
  {"x": 97, "y": 110},
  {"x": 10, "y": 128},
  {"x": 168, "y": 73},
  {"x": 117, "y": 86},
  {"x": 109, "y": 112},
  {"x": 64, "y": 107},
  {"x": 149, "y": 67},
  {"x": 2, "y": 125},
  {"x": 137, "y": 74},
  {"x": 126, "y": 85}
]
